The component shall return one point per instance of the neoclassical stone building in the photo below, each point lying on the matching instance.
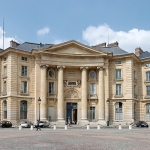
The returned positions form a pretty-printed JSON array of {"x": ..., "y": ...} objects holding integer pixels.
[{"x": 84, "y": 83}]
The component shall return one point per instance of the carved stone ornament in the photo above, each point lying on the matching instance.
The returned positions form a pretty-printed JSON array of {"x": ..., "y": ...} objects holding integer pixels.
[
  {"x": 71, "y": 94},
  {"x": 60, "y": 67},
  {"x": 101, "y": 67},
  {"x": 84, "y": 68},
  {"x": 44, "y": 65}
]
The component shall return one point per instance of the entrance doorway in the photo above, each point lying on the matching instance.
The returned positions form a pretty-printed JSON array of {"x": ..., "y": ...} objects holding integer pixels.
[{"x": 71, "y": 112}]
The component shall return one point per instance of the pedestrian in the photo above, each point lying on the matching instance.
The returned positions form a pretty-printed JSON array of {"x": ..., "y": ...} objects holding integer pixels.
[
  {"x": 37, "y": 126},
  {"x": 68, "y": 121}
]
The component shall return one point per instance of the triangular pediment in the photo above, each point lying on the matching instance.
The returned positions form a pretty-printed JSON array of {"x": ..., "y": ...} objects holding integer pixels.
[{"x": 72, "y": 48}]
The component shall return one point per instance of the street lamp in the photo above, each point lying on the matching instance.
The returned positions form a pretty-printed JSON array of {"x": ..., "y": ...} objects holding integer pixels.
[
  {"x": 108, "y": 100},
  {"x": 39, "y": 101}
]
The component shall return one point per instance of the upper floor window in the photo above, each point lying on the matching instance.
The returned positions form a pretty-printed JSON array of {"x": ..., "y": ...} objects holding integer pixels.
[
  {"x": 51, "y": 73},
  {"x": 24, "y": 87},
  {"x": 24, "y": 71},
  {"x": 117, "y": 62},
  {"x": 118, "y": 73},
  {"x": 5, "y": 58},
  {"x": 23, "y": 110},
  {"x": 5, "y": 71},
  {"x": 5, "y": 109},
  {"x": 92, "y": 75},
  {"x": 118, "y": 89},
  {"x": 4, "y": 88},
  {"x": 92, "y": 88},
  {"x": 135, "y": 91},
  {"x": 148, "y": 90},
  {"x": 51, "y": 87},
  {"x": 134, "y": 75},
  {"x": 148, "y": 76},
  {"x": 147, "y": 65},
  {"x": 24, "y": 58}
]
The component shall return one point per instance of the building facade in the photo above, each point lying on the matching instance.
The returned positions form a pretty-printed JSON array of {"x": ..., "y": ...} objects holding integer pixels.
[{"x": 88, "y": 84}]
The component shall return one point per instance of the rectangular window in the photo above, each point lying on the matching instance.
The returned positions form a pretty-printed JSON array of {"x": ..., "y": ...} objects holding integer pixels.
[
  {"x": 24, "y": 71},
  {"x": 117, "y": 62},
  {"x": 92, "y": 88},
  {"x": 134, "y": 75},
  {"x": 5, "y": 58},
  {"x": 51, "y": 88},
  {"x": 92, "y": 113},
  {"x": 148, "y": 76},
  {"x": 23, "y": 87},
  {"x": 134, "y": 90},
  {"x": 24, "y": 58},
  {"x": 4, "y": 88},
  {"x": 5, "y": 71},
  {"x": 118, "y": 111},
  {"x": 147, "y": 65},
  {"x": 118, "y": 89},
  {"x": 148, "y": 90},
  {"x": 118, "y": 73}
]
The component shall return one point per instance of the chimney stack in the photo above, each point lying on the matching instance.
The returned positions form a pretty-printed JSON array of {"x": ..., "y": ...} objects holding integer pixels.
[
  {"x": 138, "y": 51},
  {"x": 113, "y": 44},
  {"x": 13, "y": 44}
]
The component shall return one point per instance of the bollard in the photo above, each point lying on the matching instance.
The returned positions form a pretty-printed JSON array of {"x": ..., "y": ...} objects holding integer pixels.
[
  {"x": 20, "y": 127},
  {"x": 65, "y": 127},
  {"x": 88, "y": 127},
  {"x": 54, "y": 126},
  {"x": 98, "y": 127},
  {"x": 120, "y": 126},
  {"x": 130, "y": 126},
  {"x": 31, "y": 128}
]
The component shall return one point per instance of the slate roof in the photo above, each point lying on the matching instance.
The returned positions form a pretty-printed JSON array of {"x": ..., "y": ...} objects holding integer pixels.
[
  {"x": 30, "y": 46},
  {"x": 1, "y": 50},
  {"x": 144, "y": 55},
  {"x": 114, "y": 49}
]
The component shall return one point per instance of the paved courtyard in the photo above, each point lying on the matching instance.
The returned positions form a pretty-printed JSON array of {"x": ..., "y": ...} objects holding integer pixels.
[{"x": 75, "y": 139}]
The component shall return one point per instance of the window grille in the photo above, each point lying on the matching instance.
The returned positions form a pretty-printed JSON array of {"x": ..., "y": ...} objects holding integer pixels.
[{"x": 118, "y": 111}]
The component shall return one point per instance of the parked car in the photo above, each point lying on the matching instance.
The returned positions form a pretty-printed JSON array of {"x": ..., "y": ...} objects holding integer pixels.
[
  {"x": 43, "y": 124},
  {"x": 141, "y": 124},
  {"x": 26, "y": 124},
  {"x": 5, "y": 124}
]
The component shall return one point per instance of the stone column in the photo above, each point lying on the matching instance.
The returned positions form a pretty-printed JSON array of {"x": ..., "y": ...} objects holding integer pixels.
[
  {"x": 101, "y": 99},
  {"x": 84, "y": 95},
  {"x": 60, "y": 105},
  {"x": 43, "y": 105}
]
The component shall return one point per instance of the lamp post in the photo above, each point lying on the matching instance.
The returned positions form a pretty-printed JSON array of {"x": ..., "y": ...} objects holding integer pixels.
[
  {"x": 39, "y": 101},
  {"x": 108, "y": 100}
]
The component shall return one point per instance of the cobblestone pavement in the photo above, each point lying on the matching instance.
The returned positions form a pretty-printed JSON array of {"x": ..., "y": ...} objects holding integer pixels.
[{"x": 74, "y": 139}]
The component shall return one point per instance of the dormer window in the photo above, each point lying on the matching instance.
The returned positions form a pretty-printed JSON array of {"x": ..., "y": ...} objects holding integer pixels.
[{"x": 24, "y": 58}]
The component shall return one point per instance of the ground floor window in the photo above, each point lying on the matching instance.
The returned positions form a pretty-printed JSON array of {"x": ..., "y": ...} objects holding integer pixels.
[
  {"x": 118, "y": 111},
  {"x": 5, "y": 109},
  {"x": 148, "y": 111},
  {"x": 92, "y": 113},
  {"x": 23, "y": 110}
]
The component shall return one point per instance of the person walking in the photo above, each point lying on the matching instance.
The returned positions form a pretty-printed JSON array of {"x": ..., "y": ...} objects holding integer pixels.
[
  {"x": 37, "y": 126},
  {"x": 69, "y": 122}
]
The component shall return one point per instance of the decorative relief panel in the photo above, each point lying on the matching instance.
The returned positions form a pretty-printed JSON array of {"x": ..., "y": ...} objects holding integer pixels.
[{"x": 71, "y": 94}]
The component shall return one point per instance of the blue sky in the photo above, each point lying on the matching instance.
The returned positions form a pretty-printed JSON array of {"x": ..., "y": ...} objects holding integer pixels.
[{"x": 88, "y": 21}]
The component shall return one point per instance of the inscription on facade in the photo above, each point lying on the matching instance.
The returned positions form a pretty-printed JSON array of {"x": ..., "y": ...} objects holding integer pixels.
[{"x": 71, "y": 73}]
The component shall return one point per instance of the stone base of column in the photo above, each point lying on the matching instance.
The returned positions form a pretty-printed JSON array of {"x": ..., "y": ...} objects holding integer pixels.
[
  {"x": 61, "y": 122},
  {"x": 83, "y": 122},
  {"x": 102, "y": 122},
  {"x": 44, "y": 119}
]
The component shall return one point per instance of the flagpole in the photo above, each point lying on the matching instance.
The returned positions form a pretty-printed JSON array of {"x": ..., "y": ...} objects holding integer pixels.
[{"x": 3, "y": 33}]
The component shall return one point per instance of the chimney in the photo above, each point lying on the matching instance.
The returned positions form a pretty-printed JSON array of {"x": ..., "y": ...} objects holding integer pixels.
[
  {"x": 113, "y": 44},
  {"x": 13, "y": 44},
  {"x": 138, "y": 51}
]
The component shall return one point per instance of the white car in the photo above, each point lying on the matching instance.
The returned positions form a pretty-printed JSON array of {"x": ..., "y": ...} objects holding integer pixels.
[
  {"x": 44, "y": 124},
  {"x": 26, "y": 124}
]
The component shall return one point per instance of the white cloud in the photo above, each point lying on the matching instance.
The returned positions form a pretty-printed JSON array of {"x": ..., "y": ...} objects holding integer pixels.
[
  {"x": 58, "y": 41},
  {"x": 43, "y": 31},
  {"x": 127, "y": 40},
  {"x": 6, "y": 40}
]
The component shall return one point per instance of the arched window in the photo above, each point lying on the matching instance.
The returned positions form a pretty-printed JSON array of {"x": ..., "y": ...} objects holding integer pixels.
[
  {"x": 118, "y": 111},
  {"x": 5, "y": 109},
  {"x": 148, "y": 111},
  {"x": 23, "y": 110}
]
